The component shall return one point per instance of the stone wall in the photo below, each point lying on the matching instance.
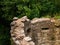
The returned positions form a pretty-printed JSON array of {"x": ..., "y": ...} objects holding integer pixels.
[{"x": 38, "y": 31}]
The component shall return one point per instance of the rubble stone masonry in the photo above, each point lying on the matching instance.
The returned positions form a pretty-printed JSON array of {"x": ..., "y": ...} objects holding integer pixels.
[{"x": 38, "y": 31}]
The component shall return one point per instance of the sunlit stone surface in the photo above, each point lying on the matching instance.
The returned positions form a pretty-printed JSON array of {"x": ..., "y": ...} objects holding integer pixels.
[{"x": 38, "y": 31}]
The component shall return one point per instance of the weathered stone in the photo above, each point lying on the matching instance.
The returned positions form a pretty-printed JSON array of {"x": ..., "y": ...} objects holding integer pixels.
[
  {"x": 18, "y": 32},
  {"x": 15, "y": 18},
  {"x": 39, "y": 31}
]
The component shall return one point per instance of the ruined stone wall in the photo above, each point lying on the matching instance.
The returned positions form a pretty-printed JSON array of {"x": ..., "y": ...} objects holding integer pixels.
[
  {"x": 19, "y": 31},
  {"x": 43, "y": 31},
  {"x": 38, "y": 31}
]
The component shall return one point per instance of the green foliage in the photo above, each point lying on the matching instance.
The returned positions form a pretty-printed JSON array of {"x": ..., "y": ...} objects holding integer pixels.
[
  {"x": 19, "y": 8},
  {"x": 57, "y": 15},
  {"x": 30, "y": 8},
  {"x": 4, "y": 38}
]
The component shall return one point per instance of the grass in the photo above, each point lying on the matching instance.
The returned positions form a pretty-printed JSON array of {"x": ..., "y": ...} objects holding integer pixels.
[{"x": 57, "y": 16}]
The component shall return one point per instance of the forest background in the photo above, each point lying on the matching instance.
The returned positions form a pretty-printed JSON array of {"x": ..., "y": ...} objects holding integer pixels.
[{"x": 19, "y": 8}]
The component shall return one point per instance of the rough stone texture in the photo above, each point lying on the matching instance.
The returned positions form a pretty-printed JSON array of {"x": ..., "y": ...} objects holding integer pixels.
[
  {"x": 18, "y": 35},
  {"x": 42, "y": 31},
  {"x": 38, "y": 31}
]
